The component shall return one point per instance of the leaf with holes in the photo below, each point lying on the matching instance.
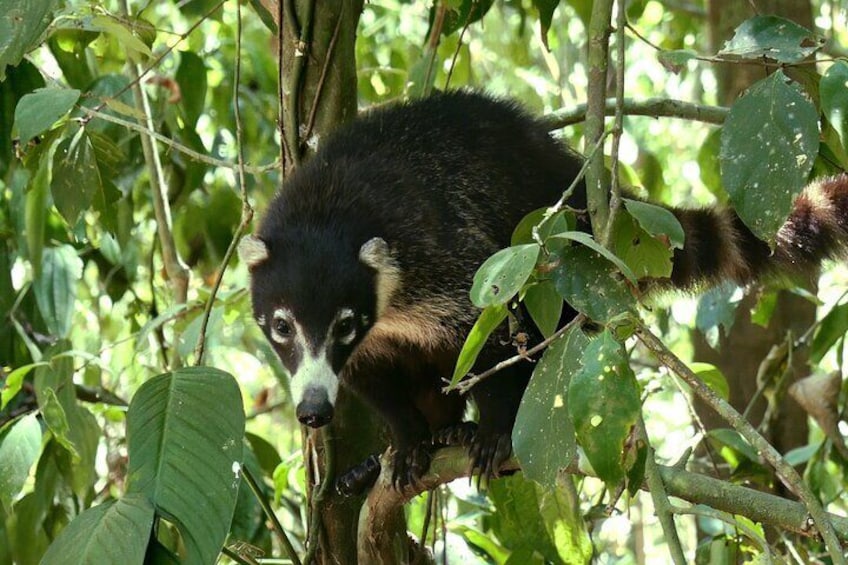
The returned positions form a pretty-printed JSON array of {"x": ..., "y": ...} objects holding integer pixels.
[
  {"x": 772, "y": 37},
  {"x": 768, "y": 145},
  {"x": 603, "y": 400},
  {"x": 591, "y": 284},
  {"x": 503, "y": 274}
]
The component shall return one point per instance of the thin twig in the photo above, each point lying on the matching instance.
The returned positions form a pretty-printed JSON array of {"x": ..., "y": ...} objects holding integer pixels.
[
  {"x": 246, "y": 208},
  {"x": 269, "y": 513},
  {"x": 464, "y": 386},
  {"x": 651, "y": 107},
  {"x": 785, "y": 472},
  {"x": 456, "y": 54}
]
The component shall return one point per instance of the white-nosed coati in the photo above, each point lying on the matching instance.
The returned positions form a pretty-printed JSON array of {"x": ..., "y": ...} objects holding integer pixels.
[{"x": 362, "y": 265}]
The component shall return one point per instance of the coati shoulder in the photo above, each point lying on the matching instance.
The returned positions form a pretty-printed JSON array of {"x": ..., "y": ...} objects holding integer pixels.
[{"x": 363, "y": 262}]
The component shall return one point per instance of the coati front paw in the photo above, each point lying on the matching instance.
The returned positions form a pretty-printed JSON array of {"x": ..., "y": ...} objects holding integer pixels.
[
  {"x": 488, "y": 452},
  {"x": 359, "y": 478},
  {"x": 461, "y": 434},
  {"x": 409, "y": 465}
]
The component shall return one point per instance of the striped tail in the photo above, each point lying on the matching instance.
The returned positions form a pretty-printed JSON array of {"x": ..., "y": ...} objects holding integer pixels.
[{"x": 719, "y": 247}]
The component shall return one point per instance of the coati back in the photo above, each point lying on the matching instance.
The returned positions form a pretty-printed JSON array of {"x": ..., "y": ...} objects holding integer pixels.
[{"x": 362, "y": 265}]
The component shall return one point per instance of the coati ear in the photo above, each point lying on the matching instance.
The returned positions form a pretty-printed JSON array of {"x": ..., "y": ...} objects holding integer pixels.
[
  {"x": 252, "y": 250},
  {"x": 375, "y": 253}
]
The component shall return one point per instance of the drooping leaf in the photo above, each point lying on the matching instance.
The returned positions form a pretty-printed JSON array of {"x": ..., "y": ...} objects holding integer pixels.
[
  {"x": 563, "y": 519},
  {"x": 21, "y": 24},
  {"x": 646, "y": 255},
  {"x": 545, "y": 306},
  {"x": 543, "y": 435},
  {"x": 546, "y": 10},
  {"x": 657, "y": 221},
  {"x": 488, "y": 321},
  {"x": 184, "y": 431},
  {"x": 712, "y": 377},
  {"x": 772, "y": 37},
  {"x": 37, "y": 112},
  {"x": 768, "y": 146},
  {"x": 503, "y": 274},
  {"x": 517, "y": 520},
  {"x": 466, "y": 13},
  {"x": 591, "y": 284},
  {"x": 113, "y": 532},
  {"x": 76, "y": 177},
  {"x": 833, "y": 90},
  {"x": 20, "y": 444},
  {"x": 603, "y": 400},
  {"x": 191, "y": 77},
  {"x": 717, "y": 311},
  {"x": 56, "y": 289},
  {"x": 832, "y": 328}
]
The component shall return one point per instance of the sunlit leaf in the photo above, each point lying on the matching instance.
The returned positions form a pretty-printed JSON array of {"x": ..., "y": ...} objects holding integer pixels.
[
  {"x": 488, "y": 321},
  {"x": 503, "y": 274},
  {"x": 20, "y": 444},
  {"x": 37, "y": 112}
]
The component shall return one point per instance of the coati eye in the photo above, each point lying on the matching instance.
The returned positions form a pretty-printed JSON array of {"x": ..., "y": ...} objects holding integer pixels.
[
  {"x": 281, "y": 328},
  {"x": 345, "y": 328}
]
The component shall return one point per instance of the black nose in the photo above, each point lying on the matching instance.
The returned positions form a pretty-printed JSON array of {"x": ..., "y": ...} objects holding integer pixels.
[{"x": 314, "y": 410}]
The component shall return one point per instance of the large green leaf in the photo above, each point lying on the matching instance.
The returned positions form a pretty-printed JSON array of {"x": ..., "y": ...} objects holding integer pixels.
[
  {"x": 543, "y": 435},
  {"x": 772, "y": 37},
  {"x": 648, "y": 256},
  {"x": 768, "y": 146},
  {"x": 191, "y": 76},
  {"x": 832, "y": 329},
  {"x": 834, "y": 98},
  {"x": 76, "y": 177},
  {"x": 657, "y": 221},
  {"x": 185, "y": 431},
  {"x": 603, "y": 400},
  {"x": 503, "y": 274},
  {"x": 113, "y": 532},
  {"x": 544, "y": 305},
  {"x": 56, "y": 289},
  {"x": 591, "y": 284},
  {"x": 37, "y": 112},
  {"x": 517, "y": 520},
  {"x": 20, "y": 444},
  {"x": 21, "y": 24}
]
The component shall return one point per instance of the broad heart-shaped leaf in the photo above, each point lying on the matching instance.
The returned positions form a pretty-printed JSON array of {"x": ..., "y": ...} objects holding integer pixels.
[
  {"x": 772, "y": 37},
  {"x": 488, "y": 321},
  {"x": 591, "y": 284},
  {"x": 768, "y": 146},
  {"x": 833, "y": 89},
  {"x": 20, "y": 444},
  {"x": 56, "y": 289},
  {"x": 76, "y": 178},
  {"x": 657, "y": 221},
  {"x": 543, "y": 435},
  {"x": 36, "y": 112},
  {"x": 21, "y": 24},
  {"x": 646, "y": 255},
  {"x": 113, "y": 532},
  {"x": 503, "y": 274},
  {"x": 184, "y": 431},
  {"x": 603, "y": 400}
]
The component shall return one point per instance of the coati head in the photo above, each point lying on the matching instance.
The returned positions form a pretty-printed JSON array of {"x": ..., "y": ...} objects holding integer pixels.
[{"x": 315, "y": 299}]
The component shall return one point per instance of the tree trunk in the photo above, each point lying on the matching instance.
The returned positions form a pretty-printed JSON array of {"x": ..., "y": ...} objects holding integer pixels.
[
  {"x": 318, "y": 70},
  {"x": 747, "y": 344}
]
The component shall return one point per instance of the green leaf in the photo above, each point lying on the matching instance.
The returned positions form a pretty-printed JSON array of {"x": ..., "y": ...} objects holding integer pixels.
[
  {"x": 560, "y": 222},
  {"x": 647, "y": 256},
  {"x": 125, "y": 32},
  {"x": 191, "y": 77},
  {"x": 603, "y": 400},
  {"x": 76, "y": 178},
  {"x": 468, "y": 12},
  {"x": 37, "y": 112},
  {"x": 57, "y": 420},
  {"x": 712, "y": 377},
  {"x": 833, "y": 89},
  {"x": 488, "y": 321},
  {"x": 717, "y": 311},
  {"x": 503, "y": 274},
  {"x": 184, "y": 431},
  {"x": 544, "y": 305},
  {"x": 563, "y": 519},
  {"x": 657, "y": 221},
  {"x": 588, "y": 241},
  {"x": 733, "y": 440},
  {"x": 20, "y": 444},
  {"x": 591, "y": 284},
  {"x": 14, "y": 381},
  {"x": 517, "y": 520},
  {"x": 113, "y": 532},
  {"x": 21, "y": 24},
  {"x": 546, "y": 10},
  {"x": 710, "y": 167},
  {"x": 675, "y": 61},
  {"x": 832, "y": 329},
  {"x": 768, "y": 145},
  {"x": 772, "y": 37},
  {"x": 36, "y": 211},
  {"x": 543, "y": 435},
  {"x": 56, "y": 289}
]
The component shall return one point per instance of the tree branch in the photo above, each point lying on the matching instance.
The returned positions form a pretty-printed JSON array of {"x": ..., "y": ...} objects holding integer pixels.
[{"x": 653, "y": 107}]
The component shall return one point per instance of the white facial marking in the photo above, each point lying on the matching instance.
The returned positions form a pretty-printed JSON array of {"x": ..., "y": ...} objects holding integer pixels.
[
  {"x": 315, "y": 372},
  {"x": 261, "y": 320}
]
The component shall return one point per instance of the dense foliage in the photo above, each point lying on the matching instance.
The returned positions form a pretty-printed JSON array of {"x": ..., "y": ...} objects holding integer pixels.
[{"x": 127, "y": 389}]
